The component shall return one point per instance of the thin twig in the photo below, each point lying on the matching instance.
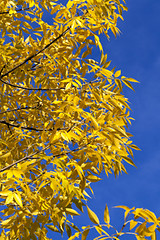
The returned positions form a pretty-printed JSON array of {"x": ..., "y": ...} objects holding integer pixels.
[
  {"x": 31, "y": 155},
  {"x": 22, "y": 159}
]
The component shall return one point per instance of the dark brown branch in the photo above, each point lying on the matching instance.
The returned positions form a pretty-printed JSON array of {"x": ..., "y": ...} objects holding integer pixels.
[
  {"x": 17, "y": 109},
  {"x": 28, "y": 128},
  {"x": 32, "y": 89},
  {"x": 32, "y": 56}
]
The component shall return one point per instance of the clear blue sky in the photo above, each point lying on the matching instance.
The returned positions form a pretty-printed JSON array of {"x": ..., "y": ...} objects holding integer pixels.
[{"x": 137, "y": 53}]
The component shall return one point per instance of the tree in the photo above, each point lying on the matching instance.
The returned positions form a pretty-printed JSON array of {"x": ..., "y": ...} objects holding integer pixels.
[{"x": 63, "y": 118}]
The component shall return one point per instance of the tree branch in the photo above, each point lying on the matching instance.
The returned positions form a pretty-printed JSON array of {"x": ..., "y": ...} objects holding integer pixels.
[
  {"x": 31, "y": 155},
  {"x": 20, "y": 160},
  {"x": 31, "y": 89},
  {"x": 29, "y": 128},
  {"x": 31, "y": 57},
  {"x": 17, "y": 109}
]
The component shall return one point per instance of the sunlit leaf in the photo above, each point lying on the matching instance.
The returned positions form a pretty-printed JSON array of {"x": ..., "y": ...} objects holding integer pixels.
[
  {"x": 106, "y": 215},
  {"x": 92, "y": 216}
]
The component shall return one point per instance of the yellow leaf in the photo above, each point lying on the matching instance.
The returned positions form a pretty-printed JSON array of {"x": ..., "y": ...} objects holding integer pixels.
[
  {"x": 99, "y": 229},
  {"x": 92, "y": 216},
  {"x": 84, "y": 234},
  {"x": 5, "y": 222},
  {"x": 97, "y": 96},
  {"x": 106, "y": 215},
  {"x": 76, "y": 235},
  {"x": 134, "y": 147},
  {"x": 93, "y": 178},
  {"x": 31, "y": 3},
  {"x": 153, "y": 236},
  {"x": 80, "y": 23},
  {"x": 12, "y": 11},
  {"x": 6, "y": 155},
  {"x": 152, "y": 228},
  {"x": 70, "y": 4},
  {"x": 10, "y": 173},
  {"x": 54, "y": 137},
  {"x": 27, "y": 25},
  {"x": 64, "y": 136},
  {"x": 5, "y": 193},
  {"x": 9, "y": 199},
  {"x": 97, "y": 41},
  {"x": 128, "y": 160},
  {"x": 113, "y": 28},
  {"x": 68, "y": 86},
  {"x": 71, "y": 211},
  {"x": 94, "y": 122},
  {"x": 131, "y": 80},
  {"x": 127, "y": 84},
  {"x": 150, "y": 215},
  {"x": 119, "y": 84},
  {"x": 52, "y": 227},
  {"x": 18, "y": 199},
  {"x": 132, "y": 224},
  {"x": 79, "y": 170},
  {"x": 117, "y": 74},
  {"x": 106, "y": 72},
  {"x": 68, "y": 230}
]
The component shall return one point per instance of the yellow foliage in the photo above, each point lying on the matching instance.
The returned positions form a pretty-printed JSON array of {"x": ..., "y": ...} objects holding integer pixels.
[{"x": 59, "y": 128}]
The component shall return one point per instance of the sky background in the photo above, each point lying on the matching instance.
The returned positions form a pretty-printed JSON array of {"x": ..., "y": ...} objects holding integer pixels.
[{"x": 137, "y": 53}]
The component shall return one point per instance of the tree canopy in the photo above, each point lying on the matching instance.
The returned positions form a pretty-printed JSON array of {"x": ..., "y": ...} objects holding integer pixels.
[{"x": 63, "y": 119}]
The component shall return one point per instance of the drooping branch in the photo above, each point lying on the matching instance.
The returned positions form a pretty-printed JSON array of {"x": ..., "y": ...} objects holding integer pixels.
[
  {"x": 17, "y": 109},
  {"x": 29, "y": 128},
  {"x": 22, "y": 159},
  {"x": 31, "y": 156},
  {"x": 31, "y": 57},
  {"x": 31, "y": 89}
]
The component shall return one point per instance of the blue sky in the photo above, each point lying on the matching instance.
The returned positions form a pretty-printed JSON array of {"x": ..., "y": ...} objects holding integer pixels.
[{"x": 137, "y": 53}]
